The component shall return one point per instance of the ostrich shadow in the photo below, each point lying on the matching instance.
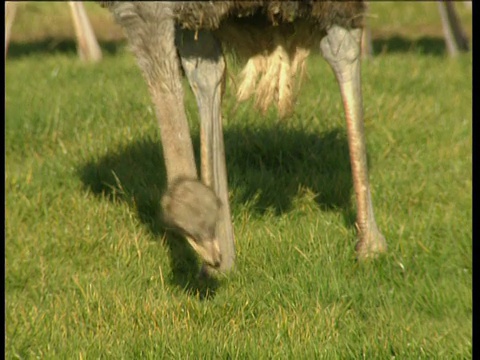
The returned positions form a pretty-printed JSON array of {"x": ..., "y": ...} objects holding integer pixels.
[
  {"x": 426, "y": 45},
  {"x": 259, "y": 161},
  {"x": 136, "y": 174},
  {"x": 47, "y": 46}
]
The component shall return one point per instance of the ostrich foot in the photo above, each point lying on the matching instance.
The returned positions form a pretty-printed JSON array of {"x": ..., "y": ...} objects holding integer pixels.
[
  {"x": 194, "y": 210},
  {"x": 370, "y": 244}
]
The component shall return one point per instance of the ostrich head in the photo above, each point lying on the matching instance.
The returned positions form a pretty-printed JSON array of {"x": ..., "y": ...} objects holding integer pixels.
[{"x": 194, "y": 210}]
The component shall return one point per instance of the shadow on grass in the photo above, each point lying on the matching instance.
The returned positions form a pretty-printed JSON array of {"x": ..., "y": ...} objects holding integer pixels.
[
  {"x": 269, "y": 167},
  {"x": 136, "y": 174},
  {"x": 426, "y": 45},
  {"x": 394, "y": 44},
  {"x": 49, "y": 45},
  {"x": 266, "y": 167}
]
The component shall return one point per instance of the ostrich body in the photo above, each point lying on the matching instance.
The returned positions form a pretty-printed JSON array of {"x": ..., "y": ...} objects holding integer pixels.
[{"x": 275, "y": 37}]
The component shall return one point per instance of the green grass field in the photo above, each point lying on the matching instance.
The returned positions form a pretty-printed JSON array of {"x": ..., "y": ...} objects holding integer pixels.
[{"x": 91, "y": 274}]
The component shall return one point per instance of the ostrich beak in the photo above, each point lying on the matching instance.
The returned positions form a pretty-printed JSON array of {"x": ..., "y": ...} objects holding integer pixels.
[{"x": 209, "y": 250}]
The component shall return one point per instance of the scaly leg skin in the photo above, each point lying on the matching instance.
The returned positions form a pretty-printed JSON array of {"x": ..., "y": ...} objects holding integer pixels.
[
  {"x": 204, "y": 66},
  {"x": 341, "y": 48},
  {"x": 188, "y": 205}
]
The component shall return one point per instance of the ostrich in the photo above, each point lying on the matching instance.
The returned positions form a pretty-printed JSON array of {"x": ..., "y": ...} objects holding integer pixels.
[
  {"x": 87, "y": 45},
  {"x": 275, "y": 37}
]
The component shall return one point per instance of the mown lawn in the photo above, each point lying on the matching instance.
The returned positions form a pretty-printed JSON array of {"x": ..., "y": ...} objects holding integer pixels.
[{"x": 91, "y": 274}]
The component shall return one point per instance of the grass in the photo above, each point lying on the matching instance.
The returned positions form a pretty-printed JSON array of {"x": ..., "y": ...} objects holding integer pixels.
[{"x": 90, "y": 272}]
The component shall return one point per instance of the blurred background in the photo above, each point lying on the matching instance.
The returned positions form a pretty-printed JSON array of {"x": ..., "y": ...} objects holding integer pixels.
[{"x": 395, "y": 27}]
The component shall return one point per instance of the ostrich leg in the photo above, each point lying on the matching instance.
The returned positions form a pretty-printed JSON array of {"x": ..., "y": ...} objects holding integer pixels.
[
  {"x": 188, "y": 205},
  {"x": 10, "y": 10},
  {"x": 341, "y": 48},
  {"x": 88, "y": 48},
  {"x": 87, "y": 45},
  {"x": 204, "y": 65},
  {"x": 455, "y": 38},
  {"x": 367, "y": 46}
]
